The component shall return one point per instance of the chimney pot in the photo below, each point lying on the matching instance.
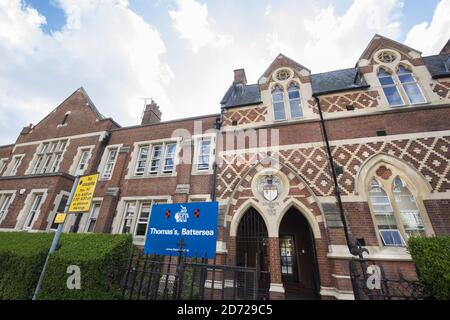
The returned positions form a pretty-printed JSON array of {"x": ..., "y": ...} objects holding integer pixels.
[
  {"x": 152, "y": 114},
  {"x": 239, "y": 77}
]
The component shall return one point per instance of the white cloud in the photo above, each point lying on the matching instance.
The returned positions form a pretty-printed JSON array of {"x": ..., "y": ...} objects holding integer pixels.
[
  {"x": 337, "y": 41},
  {"x": 268, "y": 10},
  {"x": 431, "y": 37},
  {"x": 104, "y": 46},
  {"x": 192, "y": 23}
]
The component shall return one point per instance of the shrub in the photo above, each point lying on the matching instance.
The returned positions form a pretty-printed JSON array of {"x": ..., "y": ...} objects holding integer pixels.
[
  {"x": 100, "y": 257},
  {"x": 22, "y": 256},
  {"x": 432, "y": 259}
]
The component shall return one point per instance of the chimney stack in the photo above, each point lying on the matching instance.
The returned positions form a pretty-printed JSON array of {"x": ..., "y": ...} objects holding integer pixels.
[
  {"x": 151, "y": 114},
  {"x": 239, "y": 77}
]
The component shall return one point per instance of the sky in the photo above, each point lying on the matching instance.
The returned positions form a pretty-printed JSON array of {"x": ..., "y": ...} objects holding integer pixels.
[{"x": 182, "y": 53}]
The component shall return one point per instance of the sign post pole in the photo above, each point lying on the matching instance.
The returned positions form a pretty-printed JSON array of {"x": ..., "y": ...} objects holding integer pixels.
[
  {"x": 55, "y": 239},
  {"x": 79, "y": 201}
]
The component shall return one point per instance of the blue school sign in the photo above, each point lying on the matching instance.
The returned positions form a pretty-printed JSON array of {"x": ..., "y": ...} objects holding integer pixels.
[{"x": 195, "y": 223}]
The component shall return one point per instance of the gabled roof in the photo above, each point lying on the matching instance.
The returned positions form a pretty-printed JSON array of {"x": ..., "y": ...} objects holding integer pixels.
[
  {"x": 239, "y": 95},
  {"x": 90, "y": 104},
  {"x": 446, "y": 49},
  {"x": 281, "y": 59},
  {"x": 338, "y": 80},
  {"x": 438, "y": 65},
  {"x": 376, "y": 41}
]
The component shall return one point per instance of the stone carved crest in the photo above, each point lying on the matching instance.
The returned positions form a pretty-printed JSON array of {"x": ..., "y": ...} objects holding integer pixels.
[{"x": 269, "y": 186}]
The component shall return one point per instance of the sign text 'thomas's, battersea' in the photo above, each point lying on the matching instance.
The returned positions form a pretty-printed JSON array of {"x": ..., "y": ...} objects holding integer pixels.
[{"x": 195, "y": 223}]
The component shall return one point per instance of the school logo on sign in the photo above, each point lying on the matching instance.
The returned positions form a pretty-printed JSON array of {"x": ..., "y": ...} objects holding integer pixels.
[{"x": 182, "y": 215}]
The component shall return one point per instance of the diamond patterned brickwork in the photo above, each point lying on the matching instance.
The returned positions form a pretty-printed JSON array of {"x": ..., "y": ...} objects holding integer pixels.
[
  {"x": 245, "y": 116},
  {"x": 359, "y": 100},
  {"x": 442, "y": 89},
  {"x": 297, "y": 189},
  {"x": 428, "y": 155}
]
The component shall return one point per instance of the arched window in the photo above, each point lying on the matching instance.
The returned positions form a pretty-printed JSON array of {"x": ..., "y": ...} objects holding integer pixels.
[
  {"x": 384, "y": 216},
  {"x": 396, "y": 212},
  {"x": 410, "y": 85},
  {"x": 279, "y": 111},
  {"x": 408, "y": 209},
  {"x": 294, "y": 101},
  {"x": 389, "y": 87}
]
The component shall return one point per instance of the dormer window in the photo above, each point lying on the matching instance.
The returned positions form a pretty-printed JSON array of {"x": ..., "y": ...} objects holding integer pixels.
[
  {"x": 294, "y": 101},
  {"x": 279, "y": 112}
]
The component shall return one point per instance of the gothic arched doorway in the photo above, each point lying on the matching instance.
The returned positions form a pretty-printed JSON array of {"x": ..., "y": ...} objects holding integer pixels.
[
  {"x": 298, "y": 257},
  {"x": 252, "y": 246}
]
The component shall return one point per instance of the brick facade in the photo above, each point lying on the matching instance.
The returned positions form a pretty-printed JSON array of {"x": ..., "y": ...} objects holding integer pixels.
[{"x": 369, "y": 140}]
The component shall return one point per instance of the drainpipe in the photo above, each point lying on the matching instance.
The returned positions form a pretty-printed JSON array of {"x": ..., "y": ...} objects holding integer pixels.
[
  {"x": 217, "y": 126},
  {"x": 354, "y": 247}
]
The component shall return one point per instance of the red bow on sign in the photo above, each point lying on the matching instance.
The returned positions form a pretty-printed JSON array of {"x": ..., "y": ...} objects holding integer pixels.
[
  {"x": 196, "y": 213},
  {"x": 168, "y": 214}
]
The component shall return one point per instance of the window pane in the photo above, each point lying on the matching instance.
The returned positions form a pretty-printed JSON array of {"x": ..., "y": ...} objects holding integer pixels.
[
  {"x": 406, "y": 78},
  {"x": 130, "y": 209},
  {"x": 409, "y": 211},
  {"x": 142, "y": 161},
  {"x": 294, "y": 94},
  {"x": 413, "y": 92},
  {"x": 386, "y": 81},
  {"x": 143, "y": 219},
  {"x": 296, "y": 110},
  {"x": 393, "y": 96},
  {"x": 392, "y": 238},
  {"x": 279, "y": 112}
]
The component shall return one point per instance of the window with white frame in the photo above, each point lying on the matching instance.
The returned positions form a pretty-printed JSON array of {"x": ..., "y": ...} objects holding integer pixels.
[
  {"x": 205, "y": 150},
  {"x": 37, "y": 199},
  {"x": 136, "y": 216},
  {"x": 5, "y": 202},
  {"x": 155, "y": 159},
  {"x": 279, "y": 112},
  {"x": 49, "y": 157},
  {"x": 110, "y": 162},
  {"x": 295, "y": 104},
  {"x": 2, "y": 164},
  {"x": 93, "y": 216},
  {"x": 410, "y": 85},
  {"x": 400, "y": 87},
  {"x": 389, "y": 88},
  {"x": 11, "y": 170},
  {"x": 82, "y": 163},
  {"x": 396, "y": 212}
]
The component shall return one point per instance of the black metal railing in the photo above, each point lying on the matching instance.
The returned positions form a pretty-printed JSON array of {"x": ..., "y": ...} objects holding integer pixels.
[
  {"x": 370, "y": 282},
  {"x": 153, "y": 277}
]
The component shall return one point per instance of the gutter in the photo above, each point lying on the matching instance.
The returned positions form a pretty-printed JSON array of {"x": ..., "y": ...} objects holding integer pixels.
[
  {"x": 217, "y": 126},
  {"x": 354, "y": 247}
]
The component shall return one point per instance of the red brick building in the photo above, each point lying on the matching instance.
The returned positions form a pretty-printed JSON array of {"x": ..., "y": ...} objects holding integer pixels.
[{"x": 385, "y": 123}]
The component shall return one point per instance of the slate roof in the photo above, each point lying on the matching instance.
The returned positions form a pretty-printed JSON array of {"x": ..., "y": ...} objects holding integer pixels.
[
  {"x": 438, "y": 65},
  {"x": 328, "y": 82},
  {"x": 239, "y": 95},
  {"x": 338, "y": 80}
]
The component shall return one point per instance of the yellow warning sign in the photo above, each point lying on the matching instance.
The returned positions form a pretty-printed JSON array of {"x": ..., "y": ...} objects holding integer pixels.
[
  {"x": 60, "y": 217},
  {"x": 82, "y": 199}
]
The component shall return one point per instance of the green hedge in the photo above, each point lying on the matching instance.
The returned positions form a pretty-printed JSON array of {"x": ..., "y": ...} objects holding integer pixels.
[
  {"x": 432, "y": 259},
  {"x": 100, "y": 258},
  {"x": 22, "y": 256}
]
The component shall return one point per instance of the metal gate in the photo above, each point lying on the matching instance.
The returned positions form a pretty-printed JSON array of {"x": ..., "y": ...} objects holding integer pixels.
[
  {"x": 152, "y": 277},
  {"x": 370, "y": 282},
  {"x": 252, "y": 248}
]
